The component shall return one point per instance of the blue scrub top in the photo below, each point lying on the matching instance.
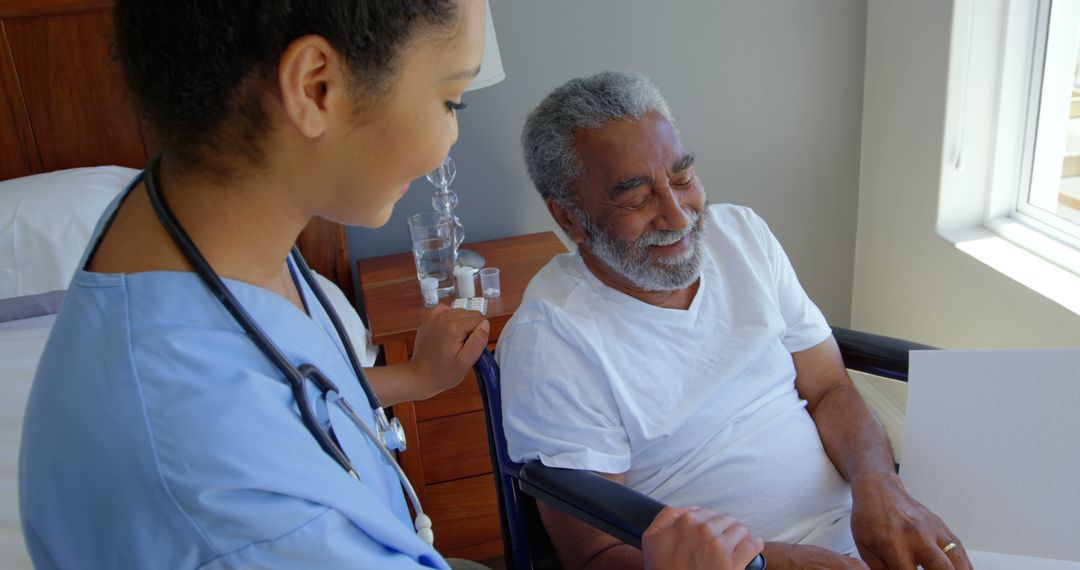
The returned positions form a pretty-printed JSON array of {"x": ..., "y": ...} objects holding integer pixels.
[{"x": 157, "y": 435}]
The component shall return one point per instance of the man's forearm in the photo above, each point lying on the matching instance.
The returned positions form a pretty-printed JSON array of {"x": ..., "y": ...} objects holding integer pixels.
[
  {"x": 889, "y": 526},
  {"x": 617, "y": 557},
  {"x": 580, "y": 545},
  {"x": 852, "y": 436}
]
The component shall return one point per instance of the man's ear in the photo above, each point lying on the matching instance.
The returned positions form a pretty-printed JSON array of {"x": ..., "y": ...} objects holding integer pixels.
[
  {"x": 568, "y": 222},
  {"x": 311, "y": 80}
]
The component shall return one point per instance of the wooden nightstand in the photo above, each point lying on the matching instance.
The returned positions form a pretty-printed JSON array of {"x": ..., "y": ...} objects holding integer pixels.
[{"x": 447, "y": 454}]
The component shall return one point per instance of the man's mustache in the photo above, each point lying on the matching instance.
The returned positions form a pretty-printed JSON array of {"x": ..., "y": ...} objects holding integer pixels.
[{"x": 668, "y": 237}]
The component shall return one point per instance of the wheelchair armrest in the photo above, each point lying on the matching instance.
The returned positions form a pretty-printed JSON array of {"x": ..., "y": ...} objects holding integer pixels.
[
  {"x": 602, "y": 503},
  {"x": 876, "y": 354},
  {"x": 613, "y": 508}
]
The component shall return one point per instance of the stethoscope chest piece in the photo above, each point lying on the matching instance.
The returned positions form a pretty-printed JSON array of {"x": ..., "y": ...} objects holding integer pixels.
[{"x": 392, "y": 432}]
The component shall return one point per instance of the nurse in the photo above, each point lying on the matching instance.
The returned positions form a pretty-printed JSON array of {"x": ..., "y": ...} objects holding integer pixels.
[{"x": 157, "y": 434}]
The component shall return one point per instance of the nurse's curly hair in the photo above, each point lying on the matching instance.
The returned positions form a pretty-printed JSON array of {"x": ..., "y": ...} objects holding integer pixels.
[{"x": 197, "y": 68}]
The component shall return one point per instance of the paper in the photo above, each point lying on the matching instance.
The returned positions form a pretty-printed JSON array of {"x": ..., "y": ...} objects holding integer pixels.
[
  {"x": 994, "y": 561},
  {"x": 992, "y": 445}
]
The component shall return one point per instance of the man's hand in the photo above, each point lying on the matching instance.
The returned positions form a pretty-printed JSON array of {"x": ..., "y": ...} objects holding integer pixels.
[
  {"x": 892, "y": 530},
  {"x": 781, "y": 556},
  {"x": 684, "y": 538},
  {"x": 448, "y": 342}
]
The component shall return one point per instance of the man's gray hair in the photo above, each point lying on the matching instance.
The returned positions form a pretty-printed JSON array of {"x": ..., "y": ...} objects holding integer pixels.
[{"x": 580, "y": 104}]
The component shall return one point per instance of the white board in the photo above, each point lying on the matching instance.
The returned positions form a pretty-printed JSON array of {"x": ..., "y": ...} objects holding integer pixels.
[{"x": 992, "y": 445}]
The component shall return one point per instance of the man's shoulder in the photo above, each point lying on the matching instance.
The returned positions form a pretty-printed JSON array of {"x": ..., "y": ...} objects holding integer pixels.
[
  {"x": 556, "y": 280},
  {"x": 737, "y": 230},
  {"x": 728, "y": 217},
  {"x": 556, "y": 300},
  {"x": 557, "y": 287}
]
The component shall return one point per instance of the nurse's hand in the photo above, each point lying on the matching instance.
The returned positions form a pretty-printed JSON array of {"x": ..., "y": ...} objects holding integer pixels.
[
  {"x": 448, "y": 342},
  {"x": 684, "y": 538}
]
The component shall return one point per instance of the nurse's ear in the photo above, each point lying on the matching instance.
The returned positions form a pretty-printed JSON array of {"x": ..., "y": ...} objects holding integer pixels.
[{"x": 312, "y": 84}]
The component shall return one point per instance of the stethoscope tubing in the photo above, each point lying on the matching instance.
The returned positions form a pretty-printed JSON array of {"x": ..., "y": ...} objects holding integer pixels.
[
  {"x": 217, "y": 288},
  {"x": 296, "y": 377}
]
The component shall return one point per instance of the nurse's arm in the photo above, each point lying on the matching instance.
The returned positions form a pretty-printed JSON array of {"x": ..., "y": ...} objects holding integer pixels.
[{"x": 447, "y": 344}]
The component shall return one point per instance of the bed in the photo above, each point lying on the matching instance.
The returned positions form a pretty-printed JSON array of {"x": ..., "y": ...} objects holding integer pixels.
[
  {"x": 21, "y": 343},
  {"x": 69, "y": 141}
]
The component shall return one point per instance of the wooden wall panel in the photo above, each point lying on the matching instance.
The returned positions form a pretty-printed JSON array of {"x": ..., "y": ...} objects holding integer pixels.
[
  {"x": 18, "y": 152},
  {"x": 465, "y": 397},
  {"x": 455, "y": 447},
  {"x": 69, "y": 77},
  {"x": 24, "y": 8},
  {"x": 465, "y": 517}
]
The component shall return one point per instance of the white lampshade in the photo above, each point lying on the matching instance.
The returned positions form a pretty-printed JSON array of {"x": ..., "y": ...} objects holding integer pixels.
[{"x": 491, "y": 69}]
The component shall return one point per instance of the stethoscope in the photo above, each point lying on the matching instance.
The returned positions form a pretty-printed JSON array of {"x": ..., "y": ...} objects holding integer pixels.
[{"x": 391, "y": 435}]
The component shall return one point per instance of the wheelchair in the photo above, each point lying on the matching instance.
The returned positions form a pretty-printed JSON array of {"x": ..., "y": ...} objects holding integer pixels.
[{"x": 600, "y": 502}]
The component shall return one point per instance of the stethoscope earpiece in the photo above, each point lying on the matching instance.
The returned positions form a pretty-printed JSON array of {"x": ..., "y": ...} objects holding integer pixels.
[{"x": 423, "y": 528}]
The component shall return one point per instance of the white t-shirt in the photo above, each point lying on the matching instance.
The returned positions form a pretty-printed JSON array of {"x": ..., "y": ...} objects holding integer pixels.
[{"x": 696, "y": 406}]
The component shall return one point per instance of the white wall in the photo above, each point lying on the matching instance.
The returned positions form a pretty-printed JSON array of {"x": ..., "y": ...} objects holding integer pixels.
[
  {"x": 768, "y": 94},
  {"x": 908, "y": 281}
]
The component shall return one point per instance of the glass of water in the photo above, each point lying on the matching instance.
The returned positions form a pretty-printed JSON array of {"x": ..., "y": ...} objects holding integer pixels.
[{"x": 434, "y": 248}]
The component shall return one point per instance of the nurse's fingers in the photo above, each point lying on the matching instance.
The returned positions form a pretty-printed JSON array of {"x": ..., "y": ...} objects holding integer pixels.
[
  {"x": 463, "y": 315},
  {"x": 475, "y": 344},
  {"x": 460, "y": 321},
  {"x": 436, "y": 310}
]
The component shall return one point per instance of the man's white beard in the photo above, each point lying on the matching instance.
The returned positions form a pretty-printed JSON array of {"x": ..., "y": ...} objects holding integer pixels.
[{"x": 635, "y": 261}]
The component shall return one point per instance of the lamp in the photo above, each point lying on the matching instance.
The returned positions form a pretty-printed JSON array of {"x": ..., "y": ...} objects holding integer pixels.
[
  {"x": 491, "y": 69},
  {"x": 445, "y": 199}
]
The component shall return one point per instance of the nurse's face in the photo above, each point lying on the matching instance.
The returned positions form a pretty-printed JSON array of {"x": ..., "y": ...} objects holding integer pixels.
[{"x": 409, "y": 130}]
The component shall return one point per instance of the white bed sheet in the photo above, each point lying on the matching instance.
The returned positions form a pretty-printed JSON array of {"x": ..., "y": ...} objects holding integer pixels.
[{"x": 21, "y": 343}]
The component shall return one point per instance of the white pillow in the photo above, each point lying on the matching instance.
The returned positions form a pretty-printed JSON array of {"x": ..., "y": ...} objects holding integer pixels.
[{"x": 45, "y": 225}]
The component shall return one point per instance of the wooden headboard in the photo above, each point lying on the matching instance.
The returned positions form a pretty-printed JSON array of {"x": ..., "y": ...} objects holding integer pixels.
[{"x": 63, "y": 105}]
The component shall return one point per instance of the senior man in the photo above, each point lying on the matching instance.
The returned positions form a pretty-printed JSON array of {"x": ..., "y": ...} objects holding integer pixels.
[{"x": 677, "y": 353}]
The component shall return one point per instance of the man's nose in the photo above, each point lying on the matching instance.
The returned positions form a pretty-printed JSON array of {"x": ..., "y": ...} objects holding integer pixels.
[{"x": 672, "y": 214}]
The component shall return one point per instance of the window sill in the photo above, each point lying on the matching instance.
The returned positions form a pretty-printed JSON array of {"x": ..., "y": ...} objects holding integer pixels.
[{"x": 1022, "y": 255}]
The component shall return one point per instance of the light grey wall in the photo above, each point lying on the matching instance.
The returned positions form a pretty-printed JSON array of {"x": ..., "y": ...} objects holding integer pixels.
[
  {"x": 910, "y": 282},
  {"x": 768, "y": 94}
]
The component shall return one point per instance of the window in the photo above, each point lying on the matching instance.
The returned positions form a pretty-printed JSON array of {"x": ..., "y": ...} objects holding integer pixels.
[
  {"x": 1011, "y": 185},
  {"x": 1048, "y": 191}
]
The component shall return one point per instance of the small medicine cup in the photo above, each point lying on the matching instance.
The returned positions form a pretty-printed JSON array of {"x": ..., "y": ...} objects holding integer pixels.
[
  {"x": 489, "y": 281},
  {"x": 466, "y": 286},
  {"x": 429, "y": 288}
]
